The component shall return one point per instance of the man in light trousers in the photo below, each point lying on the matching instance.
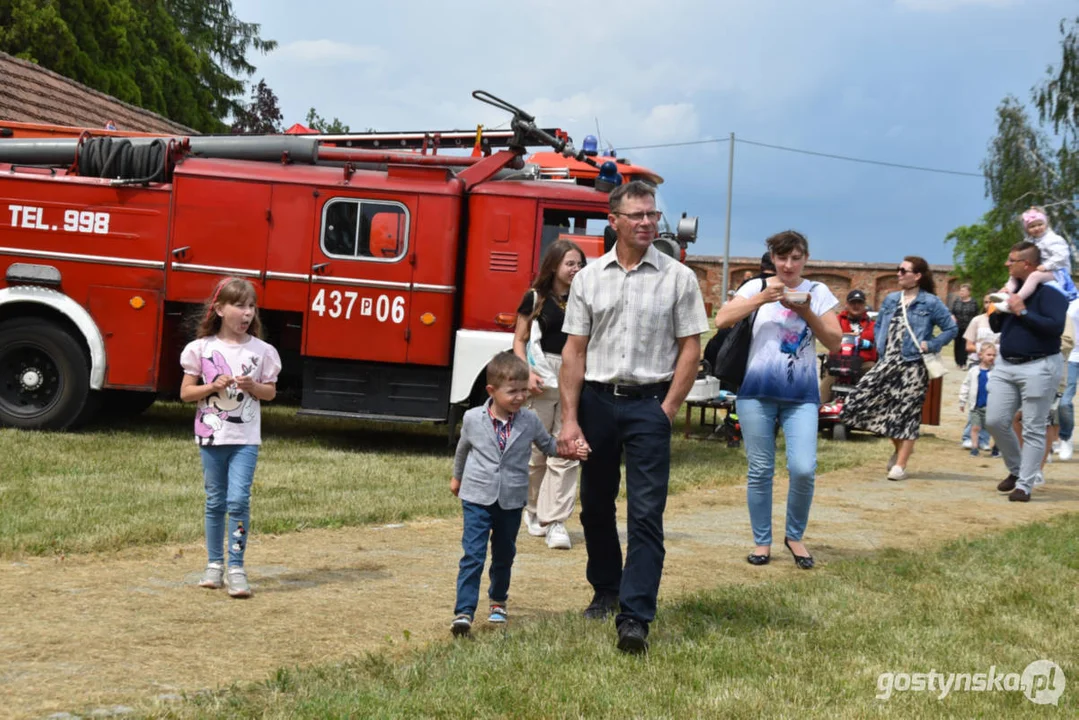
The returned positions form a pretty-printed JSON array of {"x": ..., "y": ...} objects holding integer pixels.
[{"x": 1027, "y": 374}]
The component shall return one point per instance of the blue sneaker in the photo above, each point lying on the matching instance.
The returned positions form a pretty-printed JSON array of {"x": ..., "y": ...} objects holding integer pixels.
[
  {"x": 497, "y": 615},
  {"x": 974, "y": 452}
]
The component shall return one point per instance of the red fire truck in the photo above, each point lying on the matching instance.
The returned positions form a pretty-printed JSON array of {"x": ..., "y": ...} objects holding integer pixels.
[{"x": 387, "y": 275}]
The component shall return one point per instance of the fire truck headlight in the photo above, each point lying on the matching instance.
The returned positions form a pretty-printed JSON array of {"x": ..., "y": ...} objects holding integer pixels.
[
  {"x": 137, "y": 302},
  {"x": 687, "y": 229}
]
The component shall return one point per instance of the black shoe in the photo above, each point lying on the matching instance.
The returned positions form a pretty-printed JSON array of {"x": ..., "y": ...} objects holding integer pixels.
[
  {"x": 601, "y": 607},
  {"x": 805, "y": 562},
  {"x": 631, "y": 637},
  {"x": 1019, "y": 495},
  {"x": 754, "y": 559},
  {"x": 1007, "y": 484}
]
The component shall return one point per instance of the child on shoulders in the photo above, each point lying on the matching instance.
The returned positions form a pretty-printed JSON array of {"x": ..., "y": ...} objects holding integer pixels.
[{"x": 1055, "y": 261}]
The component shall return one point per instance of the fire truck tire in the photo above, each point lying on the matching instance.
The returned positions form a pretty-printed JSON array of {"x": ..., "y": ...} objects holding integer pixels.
[
  {"x": 839, "y": 432},
  {"x": 44, "y": 376}
]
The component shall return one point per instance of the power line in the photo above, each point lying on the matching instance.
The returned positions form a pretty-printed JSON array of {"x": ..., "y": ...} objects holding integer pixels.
[
  {"x": 676, "y": 144},
  {"x": 832, "y": 156},
  {"x": 861, "y": 160}
]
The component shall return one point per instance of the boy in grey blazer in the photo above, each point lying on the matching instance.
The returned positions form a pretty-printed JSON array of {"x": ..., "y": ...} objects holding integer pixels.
[{"x": 490, "y": 475}]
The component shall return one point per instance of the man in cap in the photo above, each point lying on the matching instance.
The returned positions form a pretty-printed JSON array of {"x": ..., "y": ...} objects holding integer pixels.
[{"x": 854, "y": 320}]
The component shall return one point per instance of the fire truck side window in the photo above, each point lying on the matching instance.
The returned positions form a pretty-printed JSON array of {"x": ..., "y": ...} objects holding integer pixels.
[
  {"x": 581, "y": 227},
  {"x": 364, "y": 229}
]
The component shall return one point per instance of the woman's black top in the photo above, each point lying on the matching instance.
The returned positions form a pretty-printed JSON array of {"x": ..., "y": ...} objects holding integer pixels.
[
  {"x": 964, "y": 311},
  {"x": 550, "y": 319}
]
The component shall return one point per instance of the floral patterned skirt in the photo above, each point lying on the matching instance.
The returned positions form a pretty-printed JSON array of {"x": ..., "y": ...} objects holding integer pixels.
[{"x": 888, "y": 399}]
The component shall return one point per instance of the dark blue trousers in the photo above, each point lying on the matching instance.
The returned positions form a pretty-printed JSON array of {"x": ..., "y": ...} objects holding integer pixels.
[
  {"x": 483, "y": 524},
  {"x": 639, "y": 427}
]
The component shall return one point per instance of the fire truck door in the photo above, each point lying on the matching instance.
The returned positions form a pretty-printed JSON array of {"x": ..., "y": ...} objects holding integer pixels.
[{"x": 361, "y": 280}]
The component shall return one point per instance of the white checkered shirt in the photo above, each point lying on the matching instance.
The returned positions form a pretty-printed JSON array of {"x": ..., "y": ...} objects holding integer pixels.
[{"x": 634, "y": 319}]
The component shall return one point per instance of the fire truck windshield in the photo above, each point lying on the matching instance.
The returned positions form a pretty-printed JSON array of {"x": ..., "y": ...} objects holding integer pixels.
[{"x": 580, "y": 226}]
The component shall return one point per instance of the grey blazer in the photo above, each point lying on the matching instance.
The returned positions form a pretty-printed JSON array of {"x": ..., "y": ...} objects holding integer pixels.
[{"x": 488, "y": 475}]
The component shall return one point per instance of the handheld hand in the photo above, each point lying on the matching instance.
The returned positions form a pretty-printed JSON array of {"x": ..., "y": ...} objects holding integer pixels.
[
  {"x": 583, "y": 450},
  {"x": 773, "y": 290},
  {"x": 925, "y": 346},
  {"x": 535, "y": 384},
  {"x": 245, "y": 383},
  {"x": 221, "y": 382},
  {"x": 569, "y": 437}
]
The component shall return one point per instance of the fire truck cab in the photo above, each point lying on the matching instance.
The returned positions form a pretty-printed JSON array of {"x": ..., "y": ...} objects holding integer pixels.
[{"x": 386, "y": 278}]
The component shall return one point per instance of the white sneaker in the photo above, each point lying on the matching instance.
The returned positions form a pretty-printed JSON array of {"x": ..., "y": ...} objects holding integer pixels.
[
  {"x": 238, "y": 585},
  {"x": 897, "y": 473},
  {"x": 533, "y": 525},
  {"x": 1056, "y": 446},
  {"x": 967, "y": 444},
  {"x": 999, "y": 297},
  {"x": 213, "y": 576},
  {"x": 557, "y": 537},
  {"x": 1065, "y": 452},
  {"x": 1001, "y": 307}
]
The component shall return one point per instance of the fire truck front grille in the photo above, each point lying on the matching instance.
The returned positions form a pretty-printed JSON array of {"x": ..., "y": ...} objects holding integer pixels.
[{"x": 504, "y": 262}]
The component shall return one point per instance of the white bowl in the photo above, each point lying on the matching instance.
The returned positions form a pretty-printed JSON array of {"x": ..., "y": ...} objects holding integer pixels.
[{"x": 796, "y": 298}]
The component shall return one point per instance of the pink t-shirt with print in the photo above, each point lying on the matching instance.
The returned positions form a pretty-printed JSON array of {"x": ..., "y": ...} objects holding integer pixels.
[{"x": 231, "y": 416}]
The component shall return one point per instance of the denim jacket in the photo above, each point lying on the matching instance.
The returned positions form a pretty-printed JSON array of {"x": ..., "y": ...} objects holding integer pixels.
[{"x": 924, "y": 311}]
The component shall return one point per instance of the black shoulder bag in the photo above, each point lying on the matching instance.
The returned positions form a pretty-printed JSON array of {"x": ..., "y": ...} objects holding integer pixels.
[{"x": 733, "y": 354}]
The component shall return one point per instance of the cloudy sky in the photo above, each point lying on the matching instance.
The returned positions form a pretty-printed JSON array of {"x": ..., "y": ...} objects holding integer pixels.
[{"x": 912, "y": 82}]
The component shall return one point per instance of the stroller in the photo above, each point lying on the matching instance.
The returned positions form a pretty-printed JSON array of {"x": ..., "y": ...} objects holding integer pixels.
[{"x": 845, "y": 365}]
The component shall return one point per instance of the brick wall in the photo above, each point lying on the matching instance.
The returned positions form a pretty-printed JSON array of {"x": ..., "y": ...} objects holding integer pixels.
[{"x": 876, "y": 280}]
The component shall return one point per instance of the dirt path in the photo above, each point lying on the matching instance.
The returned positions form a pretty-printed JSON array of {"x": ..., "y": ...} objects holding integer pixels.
[{"x": 103, "y": 631}]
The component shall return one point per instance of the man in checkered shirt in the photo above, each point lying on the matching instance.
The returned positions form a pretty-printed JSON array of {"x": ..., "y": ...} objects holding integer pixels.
[{"x": 633, "y": 321}]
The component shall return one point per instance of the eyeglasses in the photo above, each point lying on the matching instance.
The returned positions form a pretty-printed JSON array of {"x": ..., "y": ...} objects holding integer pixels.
[
  {"x": 637, "y": 217},
  {"x": 904, "y": 271}
]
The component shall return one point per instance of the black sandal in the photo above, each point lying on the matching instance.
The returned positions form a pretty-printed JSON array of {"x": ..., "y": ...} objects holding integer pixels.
[{"x": 805, "y": 562}]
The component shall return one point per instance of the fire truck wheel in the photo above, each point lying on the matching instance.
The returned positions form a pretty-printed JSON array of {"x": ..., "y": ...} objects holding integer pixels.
[
  {"x": 44, "y": 376},
  {"x": 839, "y": 432}
]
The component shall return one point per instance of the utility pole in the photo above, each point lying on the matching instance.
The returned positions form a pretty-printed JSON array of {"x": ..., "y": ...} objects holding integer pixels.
[{"x": 727, "y": 238}]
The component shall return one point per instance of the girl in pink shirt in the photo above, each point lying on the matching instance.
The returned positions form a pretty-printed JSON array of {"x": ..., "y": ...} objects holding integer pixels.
[{"x": 228, "y": 370}]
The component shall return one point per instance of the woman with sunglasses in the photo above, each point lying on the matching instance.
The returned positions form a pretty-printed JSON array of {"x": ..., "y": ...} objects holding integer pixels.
[{"x": 888, "y": 400}]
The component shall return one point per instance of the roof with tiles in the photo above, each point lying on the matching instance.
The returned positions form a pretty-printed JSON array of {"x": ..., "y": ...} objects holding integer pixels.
[{"x": 33, "y": 94}]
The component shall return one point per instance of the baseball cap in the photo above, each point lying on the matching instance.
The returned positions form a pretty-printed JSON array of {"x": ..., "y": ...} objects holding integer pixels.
[{"x": 856, "y": 296}]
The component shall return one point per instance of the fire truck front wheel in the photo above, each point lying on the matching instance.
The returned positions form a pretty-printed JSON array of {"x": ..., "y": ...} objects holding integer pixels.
[{"x": 44, "y": 376}]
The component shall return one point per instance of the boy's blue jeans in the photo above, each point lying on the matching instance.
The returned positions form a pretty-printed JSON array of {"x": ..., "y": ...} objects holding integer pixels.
[
  {"x": 500, "y": 527},
  {"x": 227, "y": 472},
  {"x": 799, "y": 423}
]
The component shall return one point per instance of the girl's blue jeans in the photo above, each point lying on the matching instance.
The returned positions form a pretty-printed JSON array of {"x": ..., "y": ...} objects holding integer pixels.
[
  {"x": 799, "y": 424},
  {"x": 228, "y": 471}
]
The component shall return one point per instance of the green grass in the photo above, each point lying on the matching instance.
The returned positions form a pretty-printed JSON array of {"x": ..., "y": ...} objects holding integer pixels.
[
  {"x": 139, "y": 483},
  {"x": 813, "y": 647}
]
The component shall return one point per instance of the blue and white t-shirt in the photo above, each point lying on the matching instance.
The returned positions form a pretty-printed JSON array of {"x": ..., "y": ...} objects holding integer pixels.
[{"x": 783, "y": 355}]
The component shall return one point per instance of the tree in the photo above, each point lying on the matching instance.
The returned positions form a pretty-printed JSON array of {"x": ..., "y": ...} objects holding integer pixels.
[
  {"x": 1018, "y": 173},
  {"x": 221, "y": 42},
  {"x": 1057, "y": 100},
  {"x": 979, "y": 254},
  {"x": 262, "y": 116},
  {"x": 138, "y": 52},
  {"x": 317, "y": 122}
]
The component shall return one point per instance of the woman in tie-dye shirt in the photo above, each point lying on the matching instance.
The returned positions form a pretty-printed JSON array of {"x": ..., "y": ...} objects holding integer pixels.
[{"x": 781, "y": 386}]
